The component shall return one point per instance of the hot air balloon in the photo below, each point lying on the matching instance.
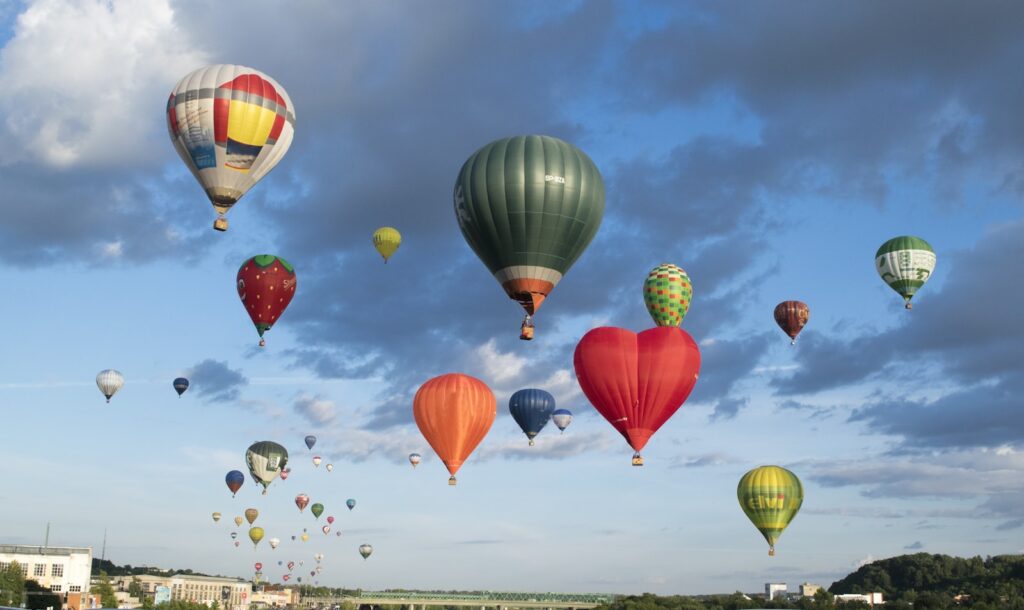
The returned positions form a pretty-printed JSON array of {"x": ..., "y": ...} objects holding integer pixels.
[
  {"x": 310, "y": 441},
  {"x": 454, "y": 412},
  {"x": 255, "y": 534},
  {"x": 791, "y": 316},
  {"x": 770, "y": 496},
  {"x": 305, "y": 537},
  {"x": 532, "y": 409},
  {"x": 667, "y": 294},
  {"x": 326, "y": 529},
  {"x": 291, "y": 565},
  {"x": 230, "y": 125},
  {"x": 266, "y": 459},
  {"x": 365, "y": 550},
  {"x": 286, "y": 577},
  {"x": 350, "y": 503},
  {"x": 318, "y": 557},
  {"x": 301, "y": 500},
  {"x": 317, "y": 510},
  {"x": 216, "y": 517},
  {"x": 329, "y": 467},
  {"x": 562, "y": 418},
  {"x": 386, "y": 240},
  {"x": 258, "y": 566},
  {"x": 637, "y": 381},
  {"x": 338, "y": 533},
  {"x": 234, "y": 535},
  {"x": 180, "y": 385},
  {"x": 239, "y": 521},
  {"x": 905, "y": 263},
  {"x": 237, "y": 543},
  {"x": 251, "y": 514},
  {"x": 273, "y": 544},
  {"x": 316, "y": 461},
  {"x": 266, "y": 284},
  {"x": 330, "y": 519},
  {"x": 415, "y": 459},
  {"x": 109, "y": 382},
  {"x": 285, "y": 472},
  {"x": 234, "y": 480},
  {"x": 528, "y": 206}
]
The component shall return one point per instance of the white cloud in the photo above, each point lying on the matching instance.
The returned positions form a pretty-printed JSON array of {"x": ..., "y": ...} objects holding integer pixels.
[
  {"x": 85, "y": 81},
  {"x": 315, "y": 409},
  {"x": 499, "y": 367}
]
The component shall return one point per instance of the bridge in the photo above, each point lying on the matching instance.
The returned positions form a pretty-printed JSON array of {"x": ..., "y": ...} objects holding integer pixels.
[{"x": 496, "y": 600}]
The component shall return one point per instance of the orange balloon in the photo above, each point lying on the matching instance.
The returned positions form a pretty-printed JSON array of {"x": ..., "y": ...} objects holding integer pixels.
[{"x": 454, "y": 413}]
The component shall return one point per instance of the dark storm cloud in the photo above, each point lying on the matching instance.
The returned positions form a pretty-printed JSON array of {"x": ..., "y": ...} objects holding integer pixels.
[{"x": 215, "y": 381}]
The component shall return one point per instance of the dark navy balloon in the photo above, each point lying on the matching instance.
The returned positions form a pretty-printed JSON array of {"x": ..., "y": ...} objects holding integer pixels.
[
  {"x": 180, "y": 385},
  {"x": 310, "y": 441},
  {"x": 531, "y": 408},
  {"x": 234, "y": 480}
]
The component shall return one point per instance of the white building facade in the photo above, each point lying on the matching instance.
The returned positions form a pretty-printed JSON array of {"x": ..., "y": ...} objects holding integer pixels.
[
  {"x": 774, "y": 589},
  {"x": 60, "y": 569},
  {"x": 229, "y": 593}
]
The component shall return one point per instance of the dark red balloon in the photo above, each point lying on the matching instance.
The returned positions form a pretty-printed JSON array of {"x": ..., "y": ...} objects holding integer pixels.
[
  {"x": 791, "y": 316},
  {"x": 637, "y": 381},
  {"x": 266, "y": 284}
]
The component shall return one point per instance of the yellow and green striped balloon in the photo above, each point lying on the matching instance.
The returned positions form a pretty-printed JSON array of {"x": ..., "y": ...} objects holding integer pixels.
[
  {"x": 667, "y": 294},
  {"x": 386, "y": 240},
  {"x": 770, "y": 496}
]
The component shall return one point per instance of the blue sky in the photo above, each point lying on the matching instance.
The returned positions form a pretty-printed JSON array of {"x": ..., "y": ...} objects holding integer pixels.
[{"x": 767, "y": 152}]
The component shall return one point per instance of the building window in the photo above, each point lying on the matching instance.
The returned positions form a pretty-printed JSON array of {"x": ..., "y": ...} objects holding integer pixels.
[
  {"x": 75, "y": 588},
  {"x": 39, "y": 569},
  {"x": 57, "y": 570},
  {"x": 55, "y": 588},
  {"x": 24, "y": 569}
]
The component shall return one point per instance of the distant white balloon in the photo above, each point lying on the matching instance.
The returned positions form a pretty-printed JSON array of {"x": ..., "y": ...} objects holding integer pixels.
[{"x": 109, "y": 382}]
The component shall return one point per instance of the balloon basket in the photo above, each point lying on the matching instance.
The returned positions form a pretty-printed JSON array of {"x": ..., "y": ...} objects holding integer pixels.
[
  {"x": 221, "y": 224},
  {"x": 908, "y": 305},
  {"x": 771, "y": 551},
  {"x": 532, "y": 443},
  {"x": 451, "y": 480},
  {"x": 793, "y": 342},
  {"x": 263, "y": 342},
  {"x": 638, "y": 460}
]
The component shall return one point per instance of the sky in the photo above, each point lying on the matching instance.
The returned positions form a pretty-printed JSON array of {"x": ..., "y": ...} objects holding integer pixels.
[{"x": 766, "y": 149}]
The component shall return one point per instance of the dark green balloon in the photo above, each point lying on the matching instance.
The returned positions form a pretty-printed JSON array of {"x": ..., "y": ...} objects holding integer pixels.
[{"x": 529, "y": 206}]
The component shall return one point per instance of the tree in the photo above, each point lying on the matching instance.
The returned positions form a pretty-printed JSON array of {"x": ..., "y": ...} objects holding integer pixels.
[
  {"x": 40, "y": 598},
  {"x": 12, "y": 585},
  {"x": 135, "y": 588},
  {"x": 106, "y": 591},
  {"x": 214, "y": 605}
]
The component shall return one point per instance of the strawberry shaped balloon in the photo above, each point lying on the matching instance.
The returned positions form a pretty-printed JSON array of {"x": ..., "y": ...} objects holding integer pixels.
[
  {"x": 637, "y": 381},
  {"x": 266, "y": 284}
]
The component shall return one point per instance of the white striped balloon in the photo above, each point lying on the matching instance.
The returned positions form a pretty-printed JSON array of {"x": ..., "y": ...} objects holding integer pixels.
[{"x": 109, "y": 382}]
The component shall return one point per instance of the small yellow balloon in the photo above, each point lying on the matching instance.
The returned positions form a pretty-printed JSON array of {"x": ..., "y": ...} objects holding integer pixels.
[
  {"x": 255, "y": 534},
  {"x": 387, "y": 240},
  {"x": 251, "y": 514},
  {"x": 238, "y": 520},
  {"x": 216, "y": 517},
  {"x": 305, "y": 537}
]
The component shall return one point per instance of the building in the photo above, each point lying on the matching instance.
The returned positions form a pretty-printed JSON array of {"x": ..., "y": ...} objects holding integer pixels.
[
  {"x": 229, "y": 593},
  {"x": 808, "y": 590},
  {"x": 278, "y": 598},
  {"x": 61, "y": 569},
  {"x": 870, "y": 598},
  {"x": 774, "y": 589}
]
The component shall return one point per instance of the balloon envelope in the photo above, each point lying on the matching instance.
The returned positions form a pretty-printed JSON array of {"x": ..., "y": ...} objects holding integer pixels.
[
  {"x": 310, "y": 441},
  {"x": 316, "y": 460},
  {"x": 532, "y": 409},
  {"x": 562, "y": 418},
  {"x": 255, "y": 534},
  {"x": 415, "y": 459},
  {"x": 266, "y": 285},
  {"x": 350, "y": 503},
  {"x": 109, "y": 382},
  {"x": 266, "y": 459},
  {"x": 791, "y": 316},
  {"x": 365, "y": 550},
  {"x": 329, "y": 467},
  {"x": 386, "y": 240},
  {"x": 528, "y": 206},
  {"x": 230, "y": 125},
  {"x": 273, "y": 544},
  {"x": 637, "y": 381},
  {"x": 667, "y": 294},
  {"x": 180, "y": 385},
  {"x": 330, "y": 519},
  {"x": 770, "y": 496},
  {"x": 317, "y": 510},
  {"x": 454, "y": 412},
  {"x": 301, "y": 500},
  {"x": 234, "y": 535},
  {"x": 251, "y": 514},
  {"x": 216, "y": 517},
  {"x": 905, "y": 263},
  {"x": 234, "y": 480}
]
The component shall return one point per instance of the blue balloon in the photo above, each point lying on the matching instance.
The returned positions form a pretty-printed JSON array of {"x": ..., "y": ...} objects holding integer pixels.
[
  {"x": 180, "y": 385},
  {"x": 310, "y": 441},
  {"x": 531, "y": 408},
  {"x": 234, "y": 480},
  {"x": 350, "y": 503},
  {"x": 562, "y": 418}
]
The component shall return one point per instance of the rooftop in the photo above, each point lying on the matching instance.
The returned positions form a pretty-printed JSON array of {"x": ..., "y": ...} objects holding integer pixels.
[{"x": 24, "y": 549}]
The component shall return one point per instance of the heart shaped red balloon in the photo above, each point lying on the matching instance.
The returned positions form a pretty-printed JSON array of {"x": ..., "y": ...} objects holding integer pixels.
[{"x": 637, "y": 381}]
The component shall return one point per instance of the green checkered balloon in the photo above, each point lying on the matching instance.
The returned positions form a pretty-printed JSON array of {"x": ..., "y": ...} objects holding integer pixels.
[
  {"x": 905, "y": 263},
  {"x": 667, "y": 294}
]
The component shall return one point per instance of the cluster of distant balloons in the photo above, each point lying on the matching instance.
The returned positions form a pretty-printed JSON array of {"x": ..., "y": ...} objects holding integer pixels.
[{"x": 528, "y": 206}]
